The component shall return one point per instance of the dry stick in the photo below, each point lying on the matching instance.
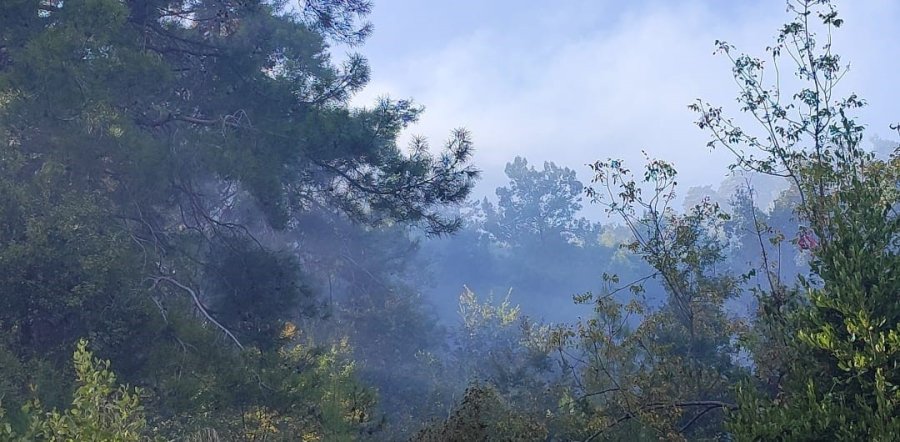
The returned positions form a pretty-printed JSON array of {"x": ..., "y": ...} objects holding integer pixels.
[
  {"x": 762, "y": 246},
  {"x": 200, "y": 307}
]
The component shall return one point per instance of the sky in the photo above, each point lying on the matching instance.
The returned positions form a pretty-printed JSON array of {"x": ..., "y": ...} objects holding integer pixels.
[{"x": 577, "y": 81}]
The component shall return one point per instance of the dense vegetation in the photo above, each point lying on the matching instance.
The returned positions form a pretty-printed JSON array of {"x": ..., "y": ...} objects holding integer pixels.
[{"x": 186, "y": 193}]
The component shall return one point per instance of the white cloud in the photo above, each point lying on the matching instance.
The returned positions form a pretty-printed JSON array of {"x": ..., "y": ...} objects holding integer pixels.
[{"x": 572, "y": 94}]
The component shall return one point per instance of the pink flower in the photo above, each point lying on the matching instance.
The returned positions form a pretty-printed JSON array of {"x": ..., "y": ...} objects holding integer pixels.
[{"x": 807, "y": 241}]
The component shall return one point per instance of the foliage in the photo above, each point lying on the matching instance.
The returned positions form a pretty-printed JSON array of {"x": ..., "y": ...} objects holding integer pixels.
[
  {"x": 671, "y": 373},
  {"x": 533, "y": 240},
  {"x": 537, "y": 204},
  {"x": 101, "y": 410},
  {"x": 483, "y": 416},
  {"x": 511, "y": 353},
  {"x": 158, "y": 161},
  {"x": 67, "y": 271},
  {"x": 256, "y": 291}
]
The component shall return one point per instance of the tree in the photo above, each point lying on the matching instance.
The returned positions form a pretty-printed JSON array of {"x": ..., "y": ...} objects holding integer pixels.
[
  {"x": 503, "y": 361},
  {"x": 66, "y": 271},
  {"x": 248, "y": 85},
  {"x": 533, "y": 241},
  {"x": 154, "y": 156},
  {"x": 666, "y": 373},
  {"x": 176, "y": 115},
  {"x": 843, "y": 323},
  {"x": 537, "y": 204},
  {"x": 376, "y": 301}
]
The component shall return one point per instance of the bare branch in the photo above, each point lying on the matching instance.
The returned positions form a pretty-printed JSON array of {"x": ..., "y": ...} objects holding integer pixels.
[{"x": 200, "y": 306}]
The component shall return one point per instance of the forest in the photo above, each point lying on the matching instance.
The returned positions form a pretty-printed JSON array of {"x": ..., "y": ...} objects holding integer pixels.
[{"x": 204, "y": 238}]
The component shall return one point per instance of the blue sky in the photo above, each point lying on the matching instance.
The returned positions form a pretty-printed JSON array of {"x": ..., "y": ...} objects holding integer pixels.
[{"x": 574, "y": 81}]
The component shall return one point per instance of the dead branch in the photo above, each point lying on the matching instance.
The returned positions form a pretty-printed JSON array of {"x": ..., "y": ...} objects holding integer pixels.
[{"x": 200, "y": 306}]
